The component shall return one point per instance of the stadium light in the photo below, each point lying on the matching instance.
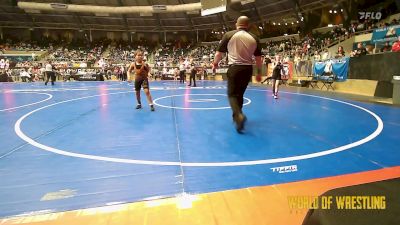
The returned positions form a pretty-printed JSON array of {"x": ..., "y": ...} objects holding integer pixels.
[
  {"x": 159, "y": 7},
  {"x": 209, "y": 7},
  {"x": 59, "y": 6}
]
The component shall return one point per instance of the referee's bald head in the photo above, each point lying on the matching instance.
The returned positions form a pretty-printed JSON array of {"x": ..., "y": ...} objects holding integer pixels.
[{"x": 242, "y": 22}]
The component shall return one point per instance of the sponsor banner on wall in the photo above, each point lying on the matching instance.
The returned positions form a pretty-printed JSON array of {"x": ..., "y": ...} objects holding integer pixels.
[{"x": 386, "y": 34}]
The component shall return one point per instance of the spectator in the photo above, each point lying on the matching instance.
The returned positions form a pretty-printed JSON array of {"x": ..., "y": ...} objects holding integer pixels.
[
  {"x": 340, "y": 53},
  {"x": 396, "y": 45},
  {"x": 7, "y": 64},
  {"x": 326, "y": 55},
  {"x": 317, "y": 56},
  {"x": 360, "y": 51},
  {"x": 25, "y": 76},
  {"x": 2, "y": 65},
  {"x": 370, "y": 49},
  {"x": 386, "y": 47}
]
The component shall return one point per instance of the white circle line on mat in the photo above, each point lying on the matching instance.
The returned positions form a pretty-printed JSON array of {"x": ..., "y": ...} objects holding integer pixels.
[
  {"x": 378, "y": 130},
  {"x": 34, "y": 103},
  {"x": 248, "y": 101}
]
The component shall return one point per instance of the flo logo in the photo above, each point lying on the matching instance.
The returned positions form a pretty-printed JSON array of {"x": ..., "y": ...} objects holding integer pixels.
[{"x": 370, "y": 15}]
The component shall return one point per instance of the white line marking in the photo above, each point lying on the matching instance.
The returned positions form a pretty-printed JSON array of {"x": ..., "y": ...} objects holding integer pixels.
[
  {"x": 370, "y": 137},
  {"x": 203, "y": 100},
  {"x": 248, "y": 101},
  {"x": 52, "y": 90},
  {"x": 72, "y": 88},
  {"x": 17, "y": 107}
]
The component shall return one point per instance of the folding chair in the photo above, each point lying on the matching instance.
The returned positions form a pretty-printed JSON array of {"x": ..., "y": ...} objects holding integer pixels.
[
  {"x": 327, "y": 82},
  {"x": 314, "y": 81},
  {"x": 314, "y": 77}
]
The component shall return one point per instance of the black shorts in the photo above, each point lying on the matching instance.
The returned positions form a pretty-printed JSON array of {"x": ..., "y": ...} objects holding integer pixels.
[
  {"x": 276, "y": 77},
  {"x": 141, "y": 83}
]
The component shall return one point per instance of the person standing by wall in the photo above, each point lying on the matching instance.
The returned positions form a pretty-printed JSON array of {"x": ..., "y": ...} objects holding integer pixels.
[{"x": 276, "y": 76}]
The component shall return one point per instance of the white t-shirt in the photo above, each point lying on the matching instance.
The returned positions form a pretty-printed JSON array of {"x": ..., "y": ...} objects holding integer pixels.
[
  {"x": 48, "y": 68},
  {"x": 24, "y": 74},
  {"x": 182, "y": 67}
]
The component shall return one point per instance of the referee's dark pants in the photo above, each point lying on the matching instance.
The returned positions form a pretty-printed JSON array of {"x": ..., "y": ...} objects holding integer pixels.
[
  {"x": 238, "y": 78},
  {"x": 182, "y": 76},
  {"x": 50, "y": 75},
  {"x": 192, "y": 77}
]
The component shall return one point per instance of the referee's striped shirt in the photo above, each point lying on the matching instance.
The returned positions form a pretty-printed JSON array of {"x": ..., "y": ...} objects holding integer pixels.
[{"x": 241, "y": 46}]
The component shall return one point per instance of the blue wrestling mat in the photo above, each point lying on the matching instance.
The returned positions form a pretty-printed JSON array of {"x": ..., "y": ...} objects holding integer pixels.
[{"x": 83, "y": 144}]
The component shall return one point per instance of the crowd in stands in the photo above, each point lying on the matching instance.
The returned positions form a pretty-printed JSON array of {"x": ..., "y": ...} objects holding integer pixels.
[
  {"x": 4, "y": 64},
  {"x": 64, "y": 54},
  {"x": 76, "y": 53},
  {"x": 44, "y": 44},
  {"x": 8, "y": 45},
  {"x": 169, "y": 55},
  {"x": 315, "y": 46},
  {"x": 113, "y": 58},
  {"x": 123, "y": 52}
]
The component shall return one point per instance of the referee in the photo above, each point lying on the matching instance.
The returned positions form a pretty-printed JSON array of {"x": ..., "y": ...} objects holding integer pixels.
[
  {"x": 240, "y": 46},
  {"x": 49, "y": 73}
]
